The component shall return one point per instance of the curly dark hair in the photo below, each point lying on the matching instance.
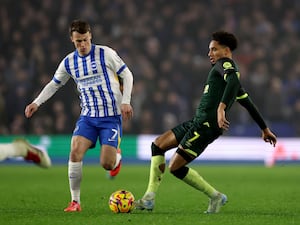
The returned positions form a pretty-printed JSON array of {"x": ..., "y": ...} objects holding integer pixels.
[{"x": 225, "y": 38}]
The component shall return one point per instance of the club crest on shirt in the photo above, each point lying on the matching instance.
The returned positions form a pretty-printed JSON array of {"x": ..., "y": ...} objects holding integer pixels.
[
  {"x": 227, "y": 65},
  {"x": 94, "y": 65}
]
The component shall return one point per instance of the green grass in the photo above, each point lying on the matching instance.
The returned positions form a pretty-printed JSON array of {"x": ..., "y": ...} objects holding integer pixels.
[{"x": 257, "y": 195}]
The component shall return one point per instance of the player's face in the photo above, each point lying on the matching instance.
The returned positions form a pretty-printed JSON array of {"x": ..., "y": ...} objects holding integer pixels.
[
  {"x": 217, "y": 51},
  {"x": 82, "y": 42}
]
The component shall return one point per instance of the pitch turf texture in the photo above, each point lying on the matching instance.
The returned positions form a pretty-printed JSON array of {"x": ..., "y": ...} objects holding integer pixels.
[{"x": 257, "y": 195}]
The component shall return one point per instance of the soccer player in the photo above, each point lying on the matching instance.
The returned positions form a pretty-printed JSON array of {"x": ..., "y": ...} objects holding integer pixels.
[
  {"x": 30, "y": 153},
  {"x": 221, "y": 90},
  {"x": 97, "y": 71}
]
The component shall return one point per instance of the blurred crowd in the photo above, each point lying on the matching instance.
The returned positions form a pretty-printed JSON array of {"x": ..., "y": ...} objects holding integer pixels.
[{"x": 165, "y": 44}]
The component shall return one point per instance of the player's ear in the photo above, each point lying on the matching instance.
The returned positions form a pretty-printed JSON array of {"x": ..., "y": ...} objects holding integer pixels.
[
  {"x": 227, "y": 51},
  {"x": 71, "y": 38}
]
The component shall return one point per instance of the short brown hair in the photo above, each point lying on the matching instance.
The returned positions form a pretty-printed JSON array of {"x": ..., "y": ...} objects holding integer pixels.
[{"x": 79, "y": 26}]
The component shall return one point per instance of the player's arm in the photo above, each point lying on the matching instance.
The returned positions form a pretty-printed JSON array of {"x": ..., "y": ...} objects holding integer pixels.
[
  {"x": 222, "y": 121},
  {"x": 229, "y": 94},
  {"x": 58, "y": 80},
  {"x": 47, "y": 92},
  {"x": 126, "y": 108},
  {"x": 244, "y": 99},
  {"x": 226, "y": 68},
  {"x": 126, "y": 76}
]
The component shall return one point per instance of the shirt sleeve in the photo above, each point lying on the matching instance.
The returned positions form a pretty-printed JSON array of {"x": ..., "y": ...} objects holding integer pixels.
[
  {"x": 231, "y": 77},
  {"x": 59, "y": 79},
  {"x": 244, "y": 99},
  {"x": 124, "y": 73},
  {"x": 61, "y": 75},
  {"x": 127, "y": 86},
  {"x": 47, "y": 92}
]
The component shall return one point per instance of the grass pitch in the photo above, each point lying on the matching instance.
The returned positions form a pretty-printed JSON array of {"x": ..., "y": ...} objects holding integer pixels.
[{"x": 257, "y": 195}]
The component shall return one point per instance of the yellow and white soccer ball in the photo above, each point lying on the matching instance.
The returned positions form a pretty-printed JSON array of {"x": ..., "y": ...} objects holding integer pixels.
[{"x": 121, "y": 201}]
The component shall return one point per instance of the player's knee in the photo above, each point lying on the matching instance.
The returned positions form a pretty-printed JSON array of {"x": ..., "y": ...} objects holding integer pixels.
[
  {"x": 160, "y": 143},
  {"x": 179, "y": 173},
  {"x": 76, "y": 155},
  {"x": 156, "y": 150}
]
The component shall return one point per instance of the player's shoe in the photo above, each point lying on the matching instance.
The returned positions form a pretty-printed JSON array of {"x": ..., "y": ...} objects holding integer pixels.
[
  {"x": 147, "y": 202},
  {"x": 142, "y": 204},
  {"x": 33, "y": 154},
  {"x": 216, "y": 203},
  {"x": 73, "y": 207},
  {"x": 116, "y": 170}
]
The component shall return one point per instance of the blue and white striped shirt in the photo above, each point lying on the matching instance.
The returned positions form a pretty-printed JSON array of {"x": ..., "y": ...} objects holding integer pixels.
[{"x": 97, "y": 78}]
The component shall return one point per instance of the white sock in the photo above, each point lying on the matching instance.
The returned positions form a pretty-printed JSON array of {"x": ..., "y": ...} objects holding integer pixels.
[
  {"x": 118, "y": 158},
  {"x": 11, "y": 150},
  {"x": 75, "y": 175}
]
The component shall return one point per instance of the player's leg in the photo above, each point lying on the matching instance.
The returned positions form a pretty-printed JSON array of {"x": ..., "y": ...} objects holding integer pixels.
[
  {"x": 79, "y": 146},
  {"x": 191, "y": 146},
  {"x": 190, "y": 176},
  {"x": 168, "y": 140},
  {"x": 118, "y": 162},
  {"x": 194, "y": 179},
  {"x": 11, "y": 150},
  {"x": 110, "y": 159},
  {"x": 21, "y": 148},
  {"x": 161, "y": 144},
  {"x": 84, "y": 137},
  {"x": 110, "y": 133}
]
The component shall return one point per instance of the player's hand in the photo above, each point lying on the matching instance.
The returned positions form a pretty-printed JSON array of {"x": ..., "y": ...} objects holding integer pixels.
[
  {"x": 268, "y": 136},
  {"x": 30, "y": 109},
  {"x": 127, "y": 111}
]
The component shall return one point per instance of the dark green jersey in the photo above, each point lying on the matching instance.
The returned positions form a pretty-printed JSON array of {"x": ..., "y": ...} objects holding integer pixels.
[{"x": 222, "y": 85}]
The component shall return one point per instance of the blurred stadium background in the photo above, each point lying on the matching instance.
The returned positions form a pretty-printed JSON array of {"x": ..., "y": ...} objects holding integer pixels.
[{"x": 165, "y": 44}]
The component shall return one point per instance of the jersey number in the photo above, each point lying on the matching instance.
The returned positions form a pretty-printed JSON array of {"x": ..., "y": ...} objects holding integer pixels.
[
  {"x": 113, "y": 137},
  {"x": 195, "y": 137}
]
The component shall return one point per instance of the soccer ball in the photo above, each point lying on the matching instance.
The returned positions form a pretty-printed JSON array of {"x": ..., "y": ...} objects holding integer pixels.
[{"x": 121, "y": 201}]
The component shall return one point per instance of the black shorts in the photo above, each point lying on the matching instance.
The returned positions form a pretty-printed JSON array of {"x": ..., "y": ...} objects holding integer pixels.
[{"x": 195, "y": 136}]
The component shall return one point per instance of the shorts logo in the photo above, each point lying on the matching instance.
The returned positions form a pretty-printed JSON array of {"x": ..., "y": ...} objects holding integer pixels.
[{"x": 76, "y": 129}]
